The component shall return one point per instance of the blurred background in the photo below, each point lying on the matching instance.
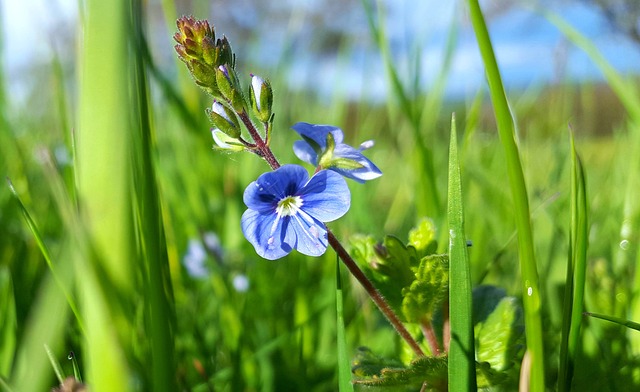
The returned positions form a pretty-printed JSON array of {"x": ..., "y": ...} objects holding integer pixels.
[{"x": 234, "y": 328}]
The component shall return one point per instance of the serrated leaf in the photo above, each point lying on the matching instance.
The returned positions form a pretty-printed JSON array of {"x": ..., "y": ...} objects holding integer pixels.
[
  {"x": 428, "y": 290},
  {"x": 423, "y": 237},
  {"x": 429, "y": 370},
  {"x": 500, "y": 341},
  {"x": 366, "y": 364}
]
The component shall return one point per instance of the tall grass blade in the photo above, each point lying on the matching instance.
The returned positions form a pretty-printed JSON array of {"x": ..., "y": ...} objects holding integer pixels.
[
  {"x": 576, "y": 274},
  {"x": 506, "y": 129},
  {"x": 160, "y": 320},
  {"x": 344, "y": 365},
  {"x": 462, "y": 364},
  {"x": 104, "y": 170}
]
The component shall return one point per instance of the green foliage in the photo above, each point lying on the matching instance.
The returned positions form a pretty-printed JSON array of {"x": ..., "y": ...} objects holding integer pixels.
[
  {"x": 413, "y": 286},
  {"x": 499, "y": 344},
  {"x": 377, "y": 374}
]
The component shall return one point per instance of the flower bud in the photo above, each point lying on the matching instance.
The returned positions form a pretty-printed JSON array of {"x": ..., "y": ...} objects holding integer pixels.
[
  {"x": 227, "y": 82},
  {"x": 261, "y": 98},
  {"x": 226, "y": 142},
  {"x": 224, "y": 119},
  {"x": 198, "y": 48}
]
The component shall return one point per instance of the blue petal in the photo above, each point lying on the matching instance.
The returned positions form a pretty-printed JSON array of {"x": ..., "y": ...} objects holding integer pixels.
[
  {"x": 326, "y": 196},
  {"x": 305, "y": 152},
  {"x": 318, "y": 133},
  {"x": 264, "y": 193},
  {"x": 266, "y": 233},
  {"x": 307, "y": 235}
]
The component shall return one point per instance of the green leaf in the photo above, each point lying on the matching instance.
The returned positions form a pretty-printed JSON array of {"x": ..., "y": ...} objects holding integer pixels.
[
  {"x": 428, "y": 290},
  {"x": 423, "y": 237},
  {"x": 388, "y": 265},
  {"x": 429, "y": 370},
  {"x": 499, "y": 337}
]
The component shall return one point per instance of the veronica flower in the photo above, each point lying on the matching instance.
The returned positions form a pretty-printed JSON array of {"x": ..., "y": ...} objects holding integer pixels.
[
  {"x": 287, "y": 210},
  {"x": 323, "y": 147}
]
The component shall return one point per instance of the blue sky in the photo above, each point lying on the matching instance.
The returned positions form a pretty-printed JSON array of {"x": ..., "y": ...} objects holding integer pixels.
[{"x": 530, "y": 51}]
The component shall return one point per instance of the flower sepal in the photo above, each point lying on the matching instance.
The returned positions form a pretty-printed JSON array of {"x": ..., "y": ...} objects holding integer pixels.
[{"x": 323, "y": 146}]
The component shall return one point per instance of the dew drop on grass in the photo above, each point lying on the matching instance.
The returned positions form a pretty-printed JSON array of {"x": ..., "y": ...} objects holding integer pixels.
[
  {"x": 529, "y": 291},
  {"x": 624, "y": 244}
]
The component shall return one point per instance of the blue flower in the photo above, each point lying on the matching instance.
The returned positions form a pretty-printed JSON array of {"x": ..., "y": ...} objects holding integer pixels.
[
  {"x": 287, "y": 210},
  {"x": 322, "y": 146}
]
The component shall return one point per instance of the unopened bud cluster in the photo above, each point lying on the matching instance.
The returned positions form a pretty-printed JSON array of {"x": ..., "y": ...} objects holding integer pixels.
[{"x": 211, "y": 63}]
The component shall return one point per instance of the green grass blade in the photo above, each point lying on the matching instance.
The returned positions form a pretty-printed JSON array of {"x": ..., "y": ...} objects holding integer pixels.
[
  {"x": 8, "y": 323},
  {"x": 64, "y": 285},
  {"x": 104, "y": 192},
  {"x": 576, "y": 274},
  {"x": 617, "y": 320},
  {"x": 160, "y": 320},
  {"x": 506, "y": 129},
  {"x": 57, "y": 369},
  {"x": 462, "y": 369},
  {"x": 344, "y": 364}
]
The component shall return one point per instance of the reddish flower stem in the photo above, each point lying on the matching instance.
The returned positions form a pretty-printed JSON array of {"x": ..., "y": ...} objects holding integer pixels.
[
  {"x": 430, "y": 336},
  {"x": 265, "y": 152},
  {"x": 375, "y": 295}
]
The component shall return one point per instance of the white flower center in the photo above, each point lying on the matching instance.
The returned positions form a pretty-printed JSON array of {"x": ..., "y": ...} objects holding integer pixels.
[{"x": 290, "y": 205}]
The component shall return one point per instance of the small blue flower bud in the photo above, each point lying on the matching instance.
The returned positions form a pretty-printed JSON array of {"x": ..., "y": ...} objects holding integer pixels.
[{"x": 261, "y": 98}]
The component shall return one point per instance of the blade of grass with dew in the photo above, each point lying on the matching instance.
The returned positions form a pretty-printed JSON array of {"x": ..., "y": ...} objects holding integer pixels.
[
  {"x": 576, "y": 273},
  {"x": 104, "y": 192},
  {"x": 506, "y": 129},
  {"x": 628, "y": 95},
  {"x": 344, "y": 365},
  {"x": 57, "y": 369},
  {"x": 462, "y": 364},
  {"x": 152, "y": 245}
]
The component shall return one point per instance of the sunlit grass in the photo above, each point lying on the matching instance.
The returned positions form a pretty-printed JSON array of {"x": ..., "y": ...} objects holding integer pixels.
[{"x": 144, "y": 323}]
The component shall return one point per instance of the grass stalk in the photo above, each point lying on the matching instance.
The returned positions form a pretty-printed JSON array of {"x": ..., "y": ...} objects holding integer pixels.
[
  {"x": 104, "y": 192},
  {"x": 576, "y": 274},
  {"x": 462, "y": 369},
  {"x": 344, "y": 365},
  {"x": 151, "y": 249},
  {"x": 506, "y": 130}
]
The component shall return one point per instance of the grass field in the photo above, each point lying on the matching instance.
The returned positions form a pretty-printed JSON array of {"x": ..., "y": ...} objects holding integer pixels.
[{"x": 121, "y": 240}]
